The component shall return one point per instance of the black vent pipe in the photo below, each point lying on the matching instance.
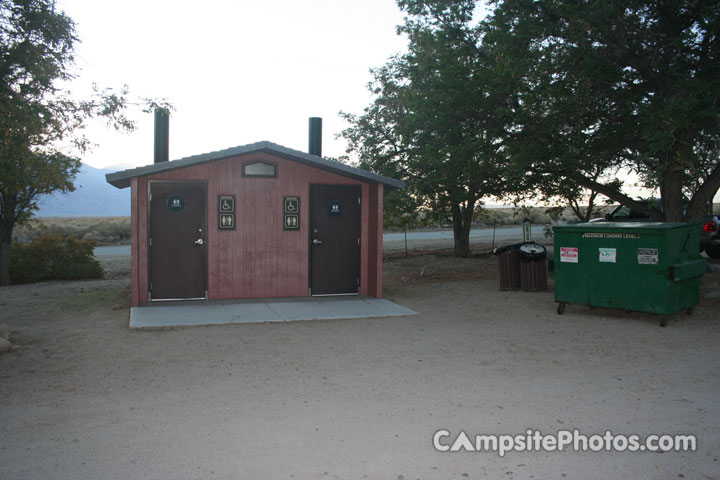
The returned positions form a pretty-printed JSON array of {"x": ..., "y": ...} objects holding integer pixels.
[
  {"x": 162, "y": 133},
  {"x": 315, "y": 137}
]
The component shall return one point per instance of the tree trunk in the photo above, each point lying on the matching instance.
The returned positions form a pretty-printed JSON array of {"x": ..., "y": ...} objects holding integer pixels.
[
  {"x": 703, "y": 197},
  {"x": 590, "y": 206},
  {"x": 5, "y": 244},
  {"x": 462, "y": 220},
  {"x": 671, "y": 193}
]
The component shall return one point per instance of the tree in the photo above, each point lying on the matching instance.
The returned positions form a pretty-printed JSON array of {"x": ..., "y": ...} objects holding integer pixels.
[
  {"x": 559, "y": 194},
  {"x": 39, "y": 121},
  {"x": 633, "y": 85},
  {"x": 431, "y": 121}
]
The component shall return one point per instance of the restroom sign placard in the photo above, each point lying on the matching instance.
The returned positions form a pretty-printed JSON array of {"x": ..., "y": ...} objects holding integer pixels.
[
  {"x": 292, "y": 222},
  {"x": 226, "y": 204},
  {"x": 226, "y": 212},
  {"x": 291, "y": 205},
  {"x": 291, "y": 213},
  {"x": 227, "y": 221},
  {"x": 335, "y": 208}
]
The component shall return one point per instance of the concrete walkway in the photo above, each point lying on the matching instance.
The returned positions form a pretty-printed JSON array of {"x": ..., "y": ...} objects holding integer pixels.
[{"x": 188, "y": 313}]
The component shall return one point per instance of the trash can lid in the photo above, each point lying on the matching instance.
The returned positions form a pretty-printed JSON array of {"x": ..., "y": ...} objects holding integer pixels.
[
  {"x": 532, "y": 248},
  {"x": 531, "y": 252},
  {"x": 506, "y": 248}
]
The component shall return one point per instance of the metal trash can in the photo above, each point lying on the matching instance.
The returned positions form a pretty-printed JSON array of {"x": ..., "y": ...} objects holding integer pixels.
[
  {"x": 509, "y": 266},
  {"x": 533, "y": 267},
  {"x": 645, "y": 267}
]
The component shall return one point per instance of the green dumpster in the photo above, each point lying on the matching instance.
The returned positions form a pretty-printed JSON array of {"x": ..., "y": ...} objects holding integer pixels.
[{"x": 645, "y": 267}]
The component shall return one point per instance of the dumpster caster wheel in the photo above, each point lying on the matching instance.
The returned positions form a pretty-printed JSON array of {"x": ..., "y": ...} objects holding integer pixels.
[
  {"x": 663, "y": 322},
  {"x": 689, "y": 311},
  {"x": 561, "y": 308}
]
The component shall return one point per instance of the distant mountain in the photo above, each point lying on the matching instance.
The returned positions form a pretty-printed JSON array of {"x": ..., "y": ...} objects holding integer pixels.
[{"x": 93, "y": 197}]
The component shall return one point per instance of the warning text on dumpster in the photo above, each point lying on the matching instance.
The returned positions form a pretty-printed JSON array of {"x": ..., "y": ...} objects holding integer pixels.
[
  {"x": 569, "y": 254},
  {"x": 648, "y": 256},
  {"x": 609, "y": 235}
]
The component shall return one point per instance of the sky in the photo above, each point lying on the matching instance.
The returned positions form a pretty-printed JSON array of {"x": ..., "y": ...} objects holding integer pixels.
[{"x": 237, "y": 72}]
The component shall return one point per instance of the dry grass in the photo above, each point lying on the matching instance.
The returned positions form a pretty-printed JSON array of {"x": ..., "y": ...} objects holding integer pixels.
[
  {"x": 102, "y": 230},
  {"x": 116, "y": 230}
]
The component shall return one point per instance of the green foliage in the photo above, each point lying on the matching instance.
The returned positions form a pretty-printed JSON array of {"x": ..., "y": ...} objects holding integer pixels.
[
  {"x": 41, "y": 125},
  {"x": 548, "y": 100},
  {"x": 54, "y": 257},
  {"x": 601, "y": 86},
  {"x": 434, "y": 121},
  {"x": 400, "y": 210}
]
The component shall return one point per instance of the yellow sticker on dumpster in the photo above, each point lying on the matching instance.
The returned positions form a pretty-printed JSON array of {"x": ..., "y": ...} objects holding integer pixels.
[
  {"x": 569, "y": 254},
  {"x": 648, "y": 256}
]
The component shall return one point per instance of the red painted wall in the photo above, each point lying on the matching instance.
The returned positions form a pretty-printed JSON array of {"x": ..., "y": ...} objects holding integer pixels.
[{"x": 258, "y": 259}]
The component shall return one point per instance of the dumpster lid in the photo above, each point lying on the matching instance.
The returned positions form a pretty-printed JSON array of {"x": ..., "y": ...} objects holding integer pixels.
[{"x": 620, "y": 226}]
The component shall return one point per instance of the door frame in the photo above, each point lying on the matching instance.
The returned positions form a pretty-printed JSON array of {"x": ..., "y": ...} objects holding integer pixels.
[
  {"x": 310, "y": 238},
  {"x": 148, "y": 246}
]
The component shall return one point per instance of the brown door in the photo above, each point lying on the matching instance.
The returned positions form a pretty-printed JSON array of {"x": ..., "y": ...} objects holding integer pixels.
[
  {"x": 177, "y": 240},
  {"x": 334, "y": 239}
]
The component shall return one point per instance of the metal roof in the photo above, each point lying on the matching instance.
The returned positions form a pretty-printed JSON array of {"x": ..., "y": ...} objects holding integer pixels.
[{"x": 122, "y": 179}]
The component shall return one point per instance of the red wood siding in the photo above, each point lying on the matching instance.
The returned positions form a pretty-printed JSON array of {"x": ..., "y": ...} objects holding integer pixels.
[
  {"x": 375, "y": 240},
  {"x": 259, "y": 259},
  {"x": 134, "y": 251}
]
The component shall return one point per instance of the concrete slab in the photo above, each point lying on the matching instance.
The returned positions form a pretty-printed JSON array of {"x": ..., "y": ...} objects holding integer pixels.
[{"x": 176, "y": 314}]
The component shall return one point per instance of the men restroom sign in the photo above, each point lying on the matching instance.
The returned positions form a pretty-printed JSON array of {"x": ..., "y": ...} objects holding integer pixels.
[
  {"x": 291, "y": 213},
  {"x": 176, "y": 203},
  {"x": 335, "y": 208},
  {"x": 226, "y": 212}
]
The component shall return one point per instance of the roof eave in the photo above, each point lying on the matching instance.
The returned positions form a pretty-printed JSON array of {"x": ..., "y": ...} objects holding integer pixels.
[{"x": 122, "y": 179}]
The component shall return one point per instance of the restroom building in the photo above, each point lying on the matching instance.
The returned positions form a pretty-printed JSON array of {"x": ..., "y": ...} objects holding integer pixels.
[{"x": 254, "y": 221}]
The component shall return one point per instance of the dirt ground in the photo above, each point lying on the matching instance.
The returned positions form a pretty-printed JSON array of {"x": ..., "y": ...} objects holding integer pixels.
[{"x": 83, "y": 397}]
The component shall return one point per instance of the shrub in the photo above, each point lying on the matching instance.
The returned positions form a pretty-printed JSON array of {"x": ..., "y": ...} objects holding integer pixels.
[
  {"x": 103, "y": 230},
  {"x": 53, "y": 257}
]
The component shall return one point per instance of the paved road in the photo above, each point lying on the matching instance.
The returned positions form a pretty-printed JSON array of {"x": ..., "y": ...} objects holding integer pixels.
[
  {"x": 502, "y": 235},
  {"x": 113, "y": 250}
]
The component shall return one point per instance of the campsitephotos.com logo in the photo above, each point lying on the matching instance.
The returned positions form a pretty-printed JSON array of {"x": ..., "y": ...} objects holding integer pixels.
[{"x": 562, "y": 440}]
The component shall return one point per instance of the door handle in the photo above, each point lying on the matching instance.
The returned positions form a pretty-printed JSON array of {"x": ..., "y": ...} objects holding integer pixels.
[
  {"x": 199, "y": 241},
  {"x": 317, "y": 242}
]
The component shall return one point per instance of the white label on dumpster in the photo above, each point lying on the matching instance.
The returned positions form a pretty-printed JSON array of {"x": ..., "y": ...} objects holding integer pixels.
[
  {"x": 648, "y": 256},
  {"x": 608, "y": 255},
  {"x": 569, "y": 254}
]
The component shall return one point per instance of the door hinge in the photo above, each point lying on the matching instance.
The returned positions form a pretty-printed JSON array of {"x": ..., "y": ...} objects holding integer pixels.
[
  {"x": 358, "y": 240},
  {"x": 358, "y": 281},
  {"x": 358, "y": 200},
  {"x": 151, "y": 242}
]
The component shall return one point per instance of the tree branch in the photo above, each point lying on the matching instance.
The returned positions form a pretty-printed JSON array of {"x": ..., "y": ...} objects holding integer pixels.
[
  {"x": 704, "y": 194},
  {"x": 618, "y": 196}
]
